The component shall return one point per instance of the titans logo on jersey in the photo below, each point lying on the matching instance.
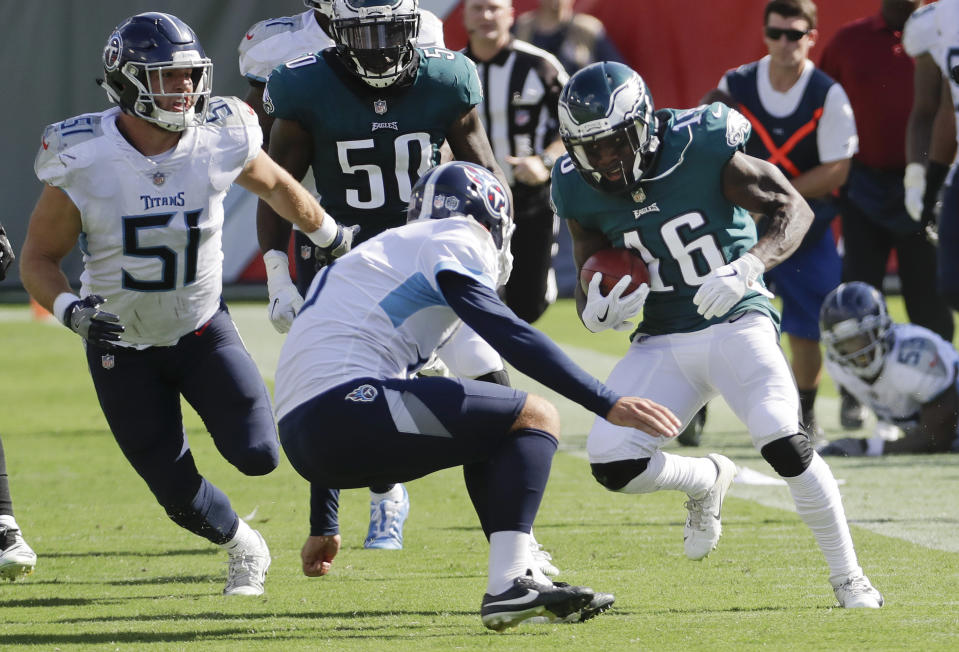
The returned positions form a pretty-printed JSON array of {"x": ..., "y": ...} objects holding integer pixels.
[
  {"x": 151, "y": 227},
  {"x": 680, "y": 222},
  {"x": 363, "y": 170}
]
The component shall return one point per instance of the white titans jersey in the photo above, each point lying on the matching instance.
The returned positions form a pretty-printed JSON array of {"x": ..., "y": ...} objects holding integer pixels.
[
  {"x": 151, "y": 226},
  {"x": 934, "y": 29},
  {"x": 378, "y": 311},
  {"x": 919, "y": 366},
  {"x": 277, "y": 40}
]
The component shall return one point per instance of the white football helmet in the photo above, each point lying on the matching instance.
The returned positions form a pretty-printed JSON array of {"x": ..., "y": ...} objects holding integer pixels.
[
  {"x": 325, "y": 7},
  {"x": 376, "y": 39}
]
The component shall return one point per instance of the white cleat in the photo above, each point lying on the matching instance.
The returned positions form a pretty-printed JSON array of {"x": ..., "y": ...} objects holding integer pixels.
[
  {"x": 542, "y": 559},
  {"x": 857, "y": 593},
  {"x": 247, "y": 568},
  {"x": 703, "y": 525},
  {"x": 17, "y": 559}
]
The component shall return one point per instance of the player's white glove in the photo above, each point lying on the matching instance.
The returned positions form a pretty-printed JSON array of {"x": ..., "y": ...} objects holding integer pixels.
[
  {"x": 434, "y": 367},
  {"x": 285, "y": 300},
  {"x": 914, "y": 183},
  {"x": 613, "y": 310},
  {"x": 726, "y": 285}
]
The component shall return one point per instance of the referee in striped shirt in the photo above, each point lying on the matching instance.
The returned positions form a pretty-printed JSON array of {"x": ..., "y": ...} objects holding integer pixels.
[{"x": 521, "y": 87}]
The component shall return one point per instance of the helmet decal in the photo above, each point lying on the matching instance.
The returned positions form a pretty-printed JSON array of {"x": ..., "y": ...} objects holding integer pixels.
[{"x": 111, "y": 53}]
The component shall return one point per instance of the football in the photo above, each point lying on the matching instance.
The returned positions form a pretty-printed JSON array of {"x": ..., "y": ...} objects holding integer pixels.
[{"x": 614, "y": 264}]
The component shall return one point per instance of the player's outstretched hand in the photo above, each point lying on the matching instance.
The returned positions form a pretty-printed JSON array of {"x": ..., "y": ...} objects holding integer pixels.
[
  {"x": 85, "y": 318},
  {"x": 614, "y": 310},
  {"x": 317, "y": 554},
  {"x": 645, "y": 415}
]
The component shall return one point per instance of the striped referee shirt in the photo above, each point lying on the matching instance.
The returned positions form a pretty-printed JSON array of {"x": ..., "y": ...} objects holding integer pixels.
[{"x": 521, "y": 87}]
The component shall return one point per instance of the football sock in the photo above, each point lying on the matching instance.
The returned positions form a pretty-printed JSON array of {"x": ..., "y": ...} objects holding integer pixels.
[
  {"x": 516, "y": 479},
  {"x": 242, "y": 539},
  {"x": 807, "y": 398},
  {"x": 691, "y": 475},
  {"x": 819, "y": 504},
  {"x": 6, "y": 503},
  {"x": 509, "y": 558},
  {"x": 394, "y": 492}
]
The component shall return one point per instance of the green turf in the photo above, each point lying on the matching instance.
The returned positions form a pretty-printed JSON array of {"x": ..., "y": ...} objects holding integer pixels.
[{"x": 115, "y": 573}]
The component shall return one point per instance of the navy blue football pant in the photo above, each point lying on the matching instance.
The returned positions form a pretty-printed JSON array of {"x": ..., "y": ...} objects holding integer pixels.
[
  {"x": 140, "y": 391},
  {"x": 374, "y": 431}
]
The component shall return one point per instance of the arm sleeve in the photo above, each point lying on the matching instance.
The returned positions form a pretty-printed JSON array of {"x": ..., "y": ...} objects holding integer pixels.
[
  {"x": 524, "y": 347},
  {"x": 324, "y": 505}
]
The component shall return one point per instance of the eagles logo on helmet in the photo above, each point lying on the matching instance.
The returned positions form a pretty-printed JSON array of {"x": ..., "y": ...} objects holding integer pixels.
[{"x": 607, "y": 124}]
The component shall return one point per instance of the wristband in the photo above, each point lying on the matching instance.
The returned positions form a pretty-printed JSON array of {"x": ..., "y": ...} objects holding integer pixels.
[
  {"x": 63, "y": 301},
  {"x": 324, "y": 236}
]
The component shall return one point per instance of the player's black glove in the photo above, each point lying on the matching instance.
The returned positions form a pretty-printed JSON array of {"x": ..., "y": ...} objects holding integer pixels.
[
  {"x": 931, "y": 205},
  {"x": 85, "y": 318},
  {"x": 6, "y": 254},
  {"x": 340, "y": 246},
  {"x": 845, "y": 447}
]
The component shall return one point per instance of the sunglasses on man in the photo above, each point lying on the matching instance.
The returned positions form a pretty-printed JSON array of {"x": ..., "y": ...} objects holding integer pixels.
[{"x": 773, "y": 33}]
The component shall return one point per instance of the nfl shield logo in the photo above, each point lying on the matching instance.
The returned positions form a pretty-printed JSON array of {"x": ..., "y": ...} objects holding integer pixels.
[
  {"x": 306, "y": 251},
  {"x": 159, "y": 179},
  {"x": 379, "y": 106},
  {"x": 639, "y": 195},
  {"x": 107, "y": 361}
]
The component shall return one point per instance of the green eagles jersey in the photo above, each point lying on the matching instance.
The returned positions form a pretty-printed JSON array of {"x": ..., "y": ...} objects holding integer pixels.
[
  {"x": 370, "y": 145},
  {"x": 678, "y": 220}
]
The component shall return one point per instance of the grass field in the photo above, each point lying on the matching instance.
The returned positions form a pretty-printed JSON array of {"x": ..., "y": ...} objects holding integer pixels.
[{"x": 115, "y": 573}]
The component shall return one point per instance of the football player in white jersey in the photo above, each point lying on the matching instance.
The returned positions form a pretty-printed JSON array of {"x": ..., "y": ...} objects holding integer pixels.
[
  {"x": 351, "y": 414},
  {"x": 931, "y": 36},
  {"x": 905, "y": 373},
  {"x": 140, "y": 186}
]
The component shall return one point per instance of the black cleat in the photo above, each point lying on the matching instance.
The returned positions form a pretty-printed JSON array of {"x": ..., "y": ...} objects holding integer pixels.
[{"x": 527, "y": 599}]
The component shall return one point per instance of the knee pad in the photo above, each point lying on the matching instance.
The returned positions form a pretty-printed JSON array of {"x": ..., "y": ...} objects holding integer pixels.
[
  {"x": 499, "y": 377},
  {"x": 260, "y": 459},
  {"x": 789, "y": 456},
  {"x": 616, "y": 475}
]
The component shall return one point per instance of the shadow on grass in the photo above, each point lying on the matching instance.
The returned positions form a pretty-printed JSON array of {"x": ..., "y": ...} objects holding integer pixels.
[
  {"x": 252, "y": 615},
  {"x": 211, "y": 550},
  {"x": 56, "y": 602}
]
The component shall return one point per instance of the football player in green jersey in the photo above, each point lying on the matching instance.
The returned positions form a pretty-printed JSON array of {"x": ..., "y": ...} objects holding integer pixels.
[{"x": 676, "y": 187}]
